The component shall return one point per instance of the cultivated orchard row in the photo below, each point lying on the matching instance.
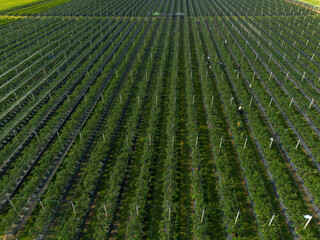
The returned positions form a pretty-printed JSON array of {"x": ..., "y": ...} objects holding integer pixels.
[{"x": 116, "y": 124}]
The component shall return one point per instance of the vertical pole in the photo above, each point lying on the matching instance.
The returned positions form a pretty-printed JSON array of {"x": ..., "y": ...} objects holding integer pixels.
[
  {"x": 291, "y": 103},
  {"x": 12, "y": 206},
  {"x": 235, "y": 222},
  {"x": 311, "y": 103},
  {"x": 105, "y": 210},
  {"x": 202, "y": 216},
  {"x": 298, "y": 144},
  {"x": 245, "y": 143},
  {"x": 74, "y": 210},
  {"x": 221, "y": 142},
  {"x": 271, "y": 142},
  {"x": 250, "y": 101},
  {"x": 42, "y": 205},
  {"x": 271, "y": 220},
  {"x": 59, "y": 137},
  {"x": 307, "y": 223}
]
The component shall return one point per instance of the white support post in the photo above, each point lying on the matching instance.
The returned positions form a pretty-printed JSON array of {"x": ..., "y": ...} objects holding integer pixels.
[
  {"x": 221, "y": 142},
  {"x": 270, "y": 76},
  {"x": 311, "y": 103},
  {"x": 231, "y": 100},
  {"x": 59, "y": 137},
  {"x": 104, "y": 137},
  {"x": 211, "y": 101},
  {"x": 245, "y": 143},
  {"x": 271, "y": 141},
  {"x": 105, "y": 210},
  {"x": 235, "y": 222},
  {"x": 127, "y": 139},
  {"x": 42, "y": 205},
  {"x": 172, "y": 141},
  {"x": 270, "y": 102},
  {"x": 137, "y": 209},
  {"x": 80, "y": 136},
  {"x": 202, "y": 216},
  {"x": 74, "y": 210},
  {"x": 291, "y": 102},
  {"x": 297, "y": 143},
  {"x": 12, "y": 205},
  {"x": 250, "y": 101},
  {"x": 287, "y": 76},
  {"x": 36, "y": 135},
  {"x": 309, "y": 219},
  {"x": 271, "y": 220},
  {"x": 102, "y": 98}
]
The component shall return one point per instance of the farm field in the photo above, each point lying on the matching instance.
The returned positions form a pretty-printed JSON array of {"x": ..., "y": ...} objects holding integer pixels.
[
  {"x": 7, "y": 4},
  {"x": 160, "y": 119}
]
